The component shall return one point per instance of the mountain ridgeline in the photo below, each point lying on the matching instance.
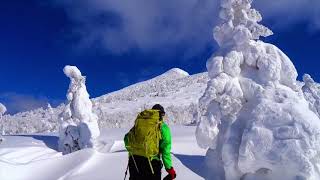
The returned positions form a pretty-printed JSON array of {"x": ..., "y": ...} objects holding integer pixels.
[{"x": 175, "y": 89}]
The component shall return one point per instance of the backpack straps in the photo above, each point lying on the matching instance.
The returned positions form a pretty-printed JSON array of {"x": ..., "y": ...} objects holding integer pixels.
[
  {"x": 158, "y": 126},
  {"x": 126, "y": 173},
  {"x": 150, "y": 165},
  {"x": 134, "y": 162},
  {"x": 131, "y": 155}
]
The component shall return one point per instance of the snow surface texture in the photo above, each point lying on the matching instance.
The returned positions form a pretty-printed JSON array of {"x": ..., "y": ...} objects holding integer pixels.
[
  {"x": 78, "y": 124},
  {"x": 254, "y": 116},
  {"x": 35, "y": 157},
  {"x": 175, "y": 89},
  {"x": 311, "y": 92}
]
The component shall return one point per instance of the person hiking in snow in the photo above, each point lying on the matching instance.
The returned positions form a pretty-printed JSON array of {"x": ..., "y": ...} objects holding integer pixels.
[{"x": 149, "y": 139}]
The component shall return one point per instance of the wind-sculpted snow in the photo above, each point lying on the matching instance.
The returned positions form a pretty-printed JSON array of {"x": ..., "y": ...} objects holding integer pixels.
[
  {"x": 36, "y": 157},
  {"x": 175, "y": 89},
  {"x": 78, "y": 124},
  {"x": 311, "y": 92},
  {"x": 253, "y": 115}
]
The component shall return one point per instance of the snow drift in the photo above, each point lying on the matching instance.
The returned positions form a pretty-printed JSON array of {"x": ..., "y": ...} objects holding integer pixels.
[
  {"x": 254, "y": 116},
  {"x": 36, "y": 157},
  {"x": 78, "y": 124}
]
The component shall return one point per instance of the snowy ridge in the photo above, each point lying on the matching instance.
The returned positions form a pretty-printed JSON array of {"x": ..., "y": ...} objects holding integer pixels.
[
  {"x": 157, "y": 86},
  {"x": 175, "y": 89}
]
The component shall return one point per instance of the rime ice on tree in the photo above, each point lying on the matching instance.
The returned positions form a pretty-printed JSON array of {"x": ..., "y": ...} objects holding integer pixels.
[
  {"x": 311, "y": 91},
  {"x": 253, "y": 116},
  {"x": 78, "y": 124},
  {"x": 3, "y": 109}
]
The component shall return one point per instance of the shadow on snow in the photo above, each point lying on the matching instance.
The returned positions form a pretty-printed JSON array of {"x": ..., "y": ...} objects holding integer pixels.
[
  {"x": 50, "y": 141},
  {"x": 194, "y": 162}
]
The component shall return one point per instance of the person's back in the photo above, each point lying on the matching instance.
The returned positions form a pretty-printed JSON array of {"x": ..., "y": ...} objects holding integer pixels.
[{"x": 141, "y": 166}]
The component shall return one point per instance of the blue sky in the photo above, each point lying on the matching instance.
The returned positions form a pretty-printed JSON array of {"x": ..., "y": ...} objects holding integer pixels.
[{"x": 118, "y": 43}]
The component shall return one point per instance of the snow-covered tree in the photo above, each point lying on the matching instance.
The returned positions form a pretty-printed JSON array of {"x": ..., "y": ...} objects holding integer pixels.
[
  {"x": 253, "y": 116},
  {"x": 78, "y": 124},
  {"x": 311, "y": 91},
  {"x": 3, "y": 109},
  {"x": 51, "y": 118}
]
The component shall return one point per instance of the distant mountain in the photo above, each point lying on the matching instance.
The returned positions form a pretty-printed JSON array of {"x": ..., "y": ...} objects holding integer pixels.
[{"x": 175, "y": 89}]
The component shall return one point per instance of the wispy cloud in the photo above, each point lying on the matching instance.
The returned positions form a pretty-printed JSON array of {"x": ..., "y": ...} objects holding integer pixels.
[
  {"x": 285, "y": 13},
  {"x": 145, "y": 25},
  {"x": 149, "y": 25},
  {"x": 21, "y": 102}
]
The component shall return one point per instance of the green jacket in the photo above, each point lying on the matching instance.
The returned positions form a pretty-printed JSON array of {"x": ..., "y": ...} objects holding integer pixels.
[{"x": 165, "y": 146}]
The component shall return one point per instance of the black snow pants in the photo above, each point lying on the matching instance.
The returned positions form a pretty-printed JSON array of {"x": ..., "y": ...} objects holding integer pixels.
[{"x": 145, "y": 172}]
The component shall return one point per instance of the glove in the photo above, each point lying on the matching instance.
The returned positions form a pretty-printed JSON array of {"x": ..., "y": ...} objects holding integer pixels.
[{"x": 172, "y": 173}]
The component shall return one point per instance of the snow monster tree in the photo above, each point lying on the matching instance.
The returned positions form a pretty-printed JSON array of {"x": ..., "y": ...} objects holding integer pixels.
[
  {"x": 78, "y": 124},
  {"x": 3, "y": 109},
  {"x": 254, "y": 117}
]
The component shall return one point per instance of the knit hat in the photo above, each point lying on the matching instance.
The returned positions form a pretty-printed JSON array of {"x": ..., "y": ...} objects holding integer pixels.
[{"x": 159, "y": 107}]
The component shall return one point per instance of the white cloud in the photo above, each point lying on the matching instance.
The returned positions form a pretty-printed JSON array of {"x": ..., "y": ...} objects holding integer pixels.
[
  {"x": 21, "y": 102},
  {"x": 288, "y": 12},
  {"x": 146, "y": 25},
  {"x": 149, "y": 25}
]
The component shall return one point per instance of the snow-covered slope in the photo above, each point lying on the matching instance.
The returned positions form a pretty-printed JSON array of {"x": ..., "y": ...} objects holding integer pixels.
[
  {"x": 35, "y": 157},
  {"x": 175, "y": 89}
]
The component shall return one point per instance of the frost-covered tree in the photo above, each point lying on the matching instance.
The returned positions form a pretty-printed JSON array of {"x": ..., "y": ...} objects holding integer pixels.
[
  {"x": 78, "y": 124},
  {"x": 51, "y": 118},
  {"x": 3, "y": 109},
  {"x": 253, "y": 116},
  {"x": 311, "y": 91}
]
